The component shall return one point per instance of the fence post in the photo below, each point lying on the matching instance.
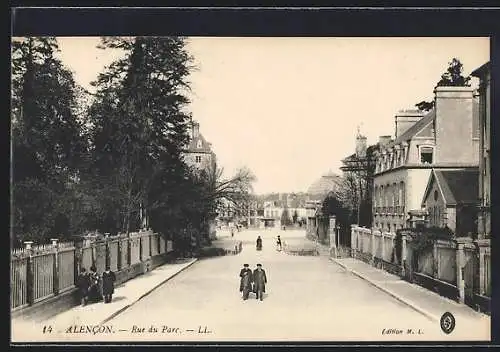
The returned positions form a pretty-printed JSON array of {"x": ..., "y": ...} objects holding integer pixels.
[
  {"x": 460, "y": 270},
  {"x": 55, "y": 246},
  {"x": 107, "y": 258},
  {"x": 30, "y": 292},
  {"x": 382, "y": 243}
]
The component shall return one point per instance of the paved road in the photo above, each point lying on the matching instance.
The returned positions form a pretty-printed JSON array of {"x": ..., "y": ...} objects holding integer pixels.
[{"x": 308, "y": 298}]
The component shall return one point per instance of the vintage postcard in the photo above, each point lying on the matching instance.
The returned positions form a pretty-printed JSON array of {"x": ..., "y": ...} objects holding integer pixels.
[{"x": 250, "y": 189}]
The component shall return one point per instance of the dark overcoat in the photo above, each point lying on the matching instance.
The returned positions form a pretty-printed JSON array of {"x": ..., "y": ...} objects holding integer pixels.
[
  {"x": 83, "y": 283},
  {"x": 241, "y": 276},
  {"x": 108, "y": 282},
  {"x": 259, "y": 280}
]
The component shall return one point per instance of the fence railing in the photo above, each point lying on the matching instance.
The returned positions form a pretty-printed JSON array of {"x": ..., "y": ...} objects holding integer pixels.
[
  {"x": 462, "y": 264},
  {"x": 43, "y": 271}
]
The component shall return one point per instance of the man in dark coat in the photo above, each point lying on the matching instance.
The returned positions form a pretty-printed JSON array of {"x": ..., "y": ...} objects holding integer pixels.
[
  {"x": 245, "y": 269},
  {"x": 83, "y": 284},
  {"x": 94, "y": 289},
  {"x": 108, "y": 284},
  {"x": 259, "y": 281}
]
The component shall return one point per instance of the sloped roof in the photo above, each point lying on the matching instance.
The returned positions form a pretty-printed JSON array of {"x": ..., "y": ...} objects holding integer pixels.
[
  {"x": 456, "y": 186},
  {"x": 413, "y": 130},
  {"x": 193, "y": 145},
  {"x": 324, "y": 184}
]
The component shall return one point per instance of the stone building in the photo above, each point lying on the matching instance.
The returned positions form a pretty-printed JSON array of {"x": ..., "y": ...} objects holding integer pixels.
[
  {"x": 198, "y": 153},
  {"x": 484, "y": 222},
  {"x": 451, "y": 200},
  {"x": 447, "y": 137}
]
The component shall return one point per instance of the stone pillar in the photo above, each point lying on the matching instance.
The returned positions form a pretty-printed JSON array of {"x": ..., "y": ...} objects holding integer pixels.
[
  {"x": 382, "y": 239},
  {"x": 55, "y": 246},
  {"x": 373, "y": 249},
  {"x": 460, "y": 269},
  {"x": 436, "y": 261},
  {"x": 354, "y": 241},
  {"x": 484, "y": 247},
  {"x": 333, "y": 235},
  {"x": 403, "y": 254}
]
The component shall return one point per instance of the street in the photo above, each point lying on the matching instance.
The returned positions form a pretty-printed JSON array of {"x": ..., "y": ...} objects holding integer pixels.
[{"x": 308, "y": 298}]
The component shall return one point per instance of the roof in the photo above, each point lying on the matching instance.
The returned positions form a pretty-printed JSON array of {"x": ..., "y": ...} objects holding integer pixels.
[
  {"x": 478, "y": 72},
  {"x": 456, "y": 186},
  {"x": 324, "y": 184},
  {"x": 193, "y": 145},
  {"x": 413, "y": 130}
]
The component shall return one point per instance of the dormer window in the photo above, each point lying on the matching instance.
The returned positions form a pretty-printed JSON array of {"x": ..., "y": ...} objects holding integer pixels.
[{"x": 426, "y": 155}]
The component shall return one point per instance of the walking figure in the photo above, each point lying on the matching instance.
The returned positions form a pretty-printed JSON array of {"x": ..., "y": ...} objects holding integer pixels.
[
  {"x": 259, "y": 282},
  {"x": 246, "y": 279},
  {"x": 83, "y": 284},
  {"x": 108, "y": 284},
  {"x": 259, "y": 243},
  {"x": 278, "y": 243},
  {"x": 94, "y": 289}
]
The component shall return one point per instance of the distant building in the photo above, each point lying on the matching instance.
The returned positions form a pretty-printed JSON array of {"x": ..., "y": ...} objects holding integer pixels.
[
  {"x": 484, "y": 220},
  {"x": 451, "y": 200},
  {"x": 445, "y": 138},
  {"x": 198, "y": 153},
  {"x": 324, "y": 185}
]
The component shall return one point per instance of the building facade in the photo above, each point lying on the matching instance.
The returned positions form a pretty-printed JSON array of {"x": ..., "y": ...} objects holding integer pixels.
[
  {"x": 199, "y": 154},
  {"x": 447, "y": 137},
  {"x": 484, "y": 216}
]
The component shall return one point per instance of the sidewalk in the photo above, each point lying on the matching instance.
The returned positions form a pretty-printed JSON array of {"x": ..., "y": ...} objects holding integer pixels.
[
  {"x": 125, "y": 295},
  {"x": 420, "y": 299}
]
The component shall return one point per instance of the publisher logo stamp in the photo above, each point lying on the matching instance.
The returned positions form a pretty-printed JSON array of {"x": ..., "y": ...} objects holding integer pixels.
[{"x": 447, "y": 322}]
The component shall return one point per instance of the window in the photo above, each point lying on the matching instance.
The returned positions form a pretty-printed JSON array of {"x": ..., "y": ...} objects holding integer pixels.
[
  {"x": 426, "y": 155},
  {"x": 199, "y": 145},
  {"x": 436, "y": 195},
  {"x": 198, "y": 159}
]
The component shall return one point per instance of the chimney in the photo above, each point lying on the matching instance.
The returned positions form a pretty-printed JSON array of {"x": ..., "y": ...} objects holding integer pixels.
[
  {"x": 405, "y": 119},
  {"x": 384, "y": 140},
  {"x": 360, "y": 146},
  {"x": 454, "y": 125},
  {"x": 195, "y": 132}
]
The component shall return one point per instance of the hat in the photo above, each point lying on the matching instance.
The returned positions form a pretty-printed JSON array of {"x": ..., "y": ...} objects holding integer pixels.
[
  {"x": 259, "y": 264},
  {"x": 246, "y": 265}
]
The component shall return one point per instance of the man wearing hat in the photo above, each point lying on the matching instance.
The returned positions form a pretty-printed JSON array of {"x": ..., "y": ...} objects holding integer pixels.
[
  {"x": 259, "y": 281},
  {"x": 245, "y": 271}
]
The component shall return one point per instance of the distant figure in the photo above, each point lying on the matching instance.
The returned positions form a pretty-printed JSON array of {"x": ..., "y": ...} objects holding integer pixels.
[
  {"x": 232, "y": 232},
  {"x": 108, "y": 284},
  {"x": 83, "y": 284},
  {"x": 278, "y": 243},
  {"x": 259, "y": 281},
  {"x": 259, "y": 243}
]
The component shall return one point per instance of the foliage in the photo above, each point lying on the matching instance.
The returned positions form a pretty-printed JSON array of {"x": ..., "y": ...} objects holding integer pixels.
[
  {"x": 425, "y": 105},
  {"x": 48, "y": 144},
  {"x": 285, "y": 217},
  {"x": 453, "y": 75},
  {"x": 422, "y": 238}
]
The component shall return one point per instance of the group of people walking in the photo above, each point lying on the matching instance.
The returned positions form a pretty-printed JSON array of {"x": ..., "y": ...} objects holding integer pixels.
[
  {"x": 253, "y": 281},
  {"x": 278, "y": 244},
  {"x": 94, "y": 287}
]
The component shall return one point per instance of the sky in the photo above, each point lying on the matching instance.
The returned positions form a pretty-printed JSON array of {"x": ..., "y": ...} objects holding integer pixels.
[{"x": 289, "y": 108}]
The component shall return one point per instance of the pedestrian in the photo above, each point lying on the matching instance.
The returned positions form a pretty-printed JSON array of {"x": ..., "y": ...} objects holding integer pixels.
[
  {"x": 278, "y": 243},
  {"x": 108, "y": 284},
  {"x": 245, "y": 271},
  {"x": 83, "y": 284},
  {"x": 259, "y": 243},
  {"x": 94, "y": 289},
  {"x": 259, "y": 282}
]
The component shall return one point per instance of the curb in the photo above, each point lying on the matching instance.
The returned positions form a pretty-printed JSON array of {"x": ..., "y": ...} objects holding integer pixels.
[
  {"x": 121, "y": 310},
  {"x": 408, "y": 302}
]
